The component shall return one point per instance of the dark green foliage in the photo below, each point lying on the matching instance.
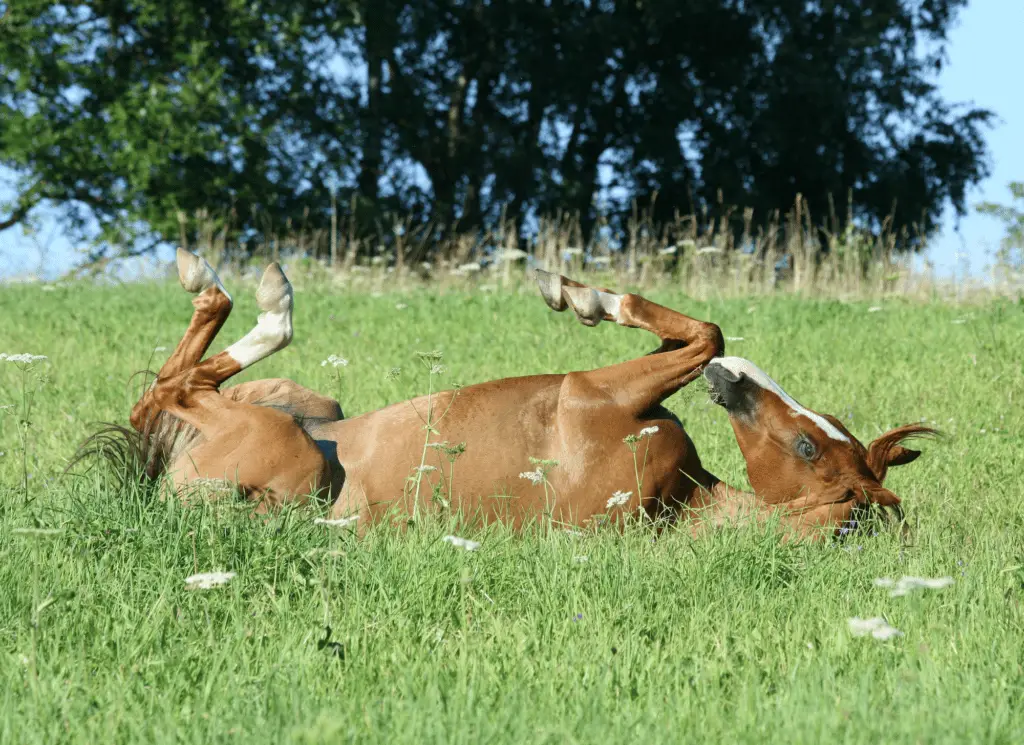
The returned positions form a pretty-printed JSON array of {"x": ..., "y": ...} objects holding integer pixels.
[
  {"x": 454, "y": 112},
  {"x": 131, "y": 112}
]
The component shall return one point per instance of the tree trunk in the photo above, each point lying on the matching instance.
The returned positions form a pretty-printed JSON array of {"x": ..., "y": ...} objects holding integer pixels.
[{"x": 373, "y": 126}]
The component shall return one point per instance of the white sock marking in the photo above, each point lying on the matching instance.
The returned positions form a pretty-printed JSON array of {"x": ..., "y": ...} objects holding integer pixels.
[
  {"x": 610, "y": 304},
  {"x": 738, "y": 365},
  {"x": 273, "y": 331}
]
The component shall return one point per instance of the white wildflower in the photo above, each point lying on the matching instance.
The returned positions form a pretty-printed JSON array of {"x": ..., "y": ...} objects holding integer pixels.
[
  {"x": 667, "y": 251},
  {"x": 618, "y": 499},
  {"x": 580, "y": 559},
  {"x": 469, "y": 268},
  {"x": 341, "y": 522},
  {"x": 573, "y": 532},
  {"x": 208, "y": 580},
  {"x": 874, "y": 308},
  {"x": 709, "y": 250},
  {"x": 534, "y": 476},
  {"x": 906, "y": 585},
  {"x": 734, "y": 338},
  {"x": 877, "y": 627},
  {"x": 461, "y": 542},
  {"x": 649, "y": 431},
  {"x": 36, "y": 531},
  {"x": 334, "y": 361},
  {"x": 401, "y": 306},
  {"x": 27, "y": 359},
  {"x": 437, "y": 369}
]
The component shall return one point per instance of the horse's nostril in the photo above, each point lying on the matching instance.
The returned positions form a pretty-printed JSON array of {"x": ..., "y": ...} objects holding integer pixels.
[{"x": 721, "y": 373}]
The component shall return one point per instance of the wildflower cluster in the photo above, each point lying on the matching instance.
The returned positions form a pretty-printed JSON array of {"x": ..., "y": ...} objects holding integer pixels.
[
  {"x": 618, "y": 499},
  {"x": 878, "y": 627},
  {"x": 208, "y": 580},
  {"x": 22, "y": 359},
  {"x": 463, "y": 543},
  {"x": 334, "y": 361}
]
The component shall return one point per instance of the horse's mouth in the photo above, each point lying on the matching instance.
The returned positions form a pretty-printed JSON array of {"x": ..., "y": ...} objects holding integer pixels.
[{"x": 870, "y": 519}]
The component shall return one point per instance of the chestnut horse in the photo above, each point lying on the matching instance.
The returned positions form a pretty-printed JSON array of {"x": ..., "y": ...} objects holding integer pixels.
[{"x": 575, "y": 447}]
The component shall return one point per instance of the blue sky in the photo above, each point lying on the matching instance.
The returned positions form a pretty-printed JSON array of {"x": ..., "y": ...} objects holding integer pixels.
[{"x": 984, "y": 68}]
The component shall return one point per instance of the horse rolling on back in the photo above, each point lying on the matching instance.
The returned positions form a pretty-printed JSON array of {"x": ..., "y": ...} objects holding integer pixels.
[{"x": 276, "y": 441}]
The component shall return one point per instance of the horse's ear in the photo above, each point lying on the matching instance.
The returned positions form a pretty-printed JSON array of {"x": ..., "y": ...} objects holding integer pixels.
[
  {"x": 901, "y": 456},
  {"x": 886, "y": 450}
]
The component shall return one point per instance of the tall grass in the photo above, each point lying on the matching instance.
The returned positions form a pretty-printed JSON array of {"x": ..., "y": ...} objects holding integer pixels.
[
  {"x": 538, "y": 637},
  {"x": 696, "y": 254}
]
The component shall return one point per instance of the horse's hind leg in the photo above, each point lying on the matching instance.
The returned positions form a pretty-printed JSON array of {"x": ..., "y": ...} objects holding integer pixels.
[
  {"x": 212, "y": 305},
  {"x": 261, "y": 449},
  {"x": 273, "y": 332}
]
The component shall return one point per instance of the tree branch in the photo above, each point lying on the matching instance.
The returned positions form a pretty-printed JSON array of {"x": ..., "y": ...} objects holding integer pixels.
[
  {"x": 17, "y": 216},
  {"x": 24, "y": 205}
]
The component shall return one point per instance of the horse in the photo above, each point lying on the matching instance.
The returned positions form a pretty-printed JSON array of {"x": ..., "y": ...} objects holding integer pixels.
[{"x": 576, "y": 448}]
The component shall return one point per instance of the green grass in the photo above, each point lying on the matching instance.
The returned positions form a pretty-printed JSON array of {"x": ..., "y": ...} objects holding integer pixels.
[{"x": 733, "y": 638}]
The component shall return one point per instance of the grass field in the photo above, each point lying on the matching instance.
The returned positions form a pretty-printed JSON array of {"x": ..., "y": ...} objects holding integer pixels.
[{"x": 732, "y": 638}]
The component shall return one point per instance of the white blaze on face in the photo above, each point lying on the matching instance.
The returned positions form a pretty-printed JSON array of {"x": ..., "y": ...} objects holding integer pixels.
[{"x": 740, "y": 366}]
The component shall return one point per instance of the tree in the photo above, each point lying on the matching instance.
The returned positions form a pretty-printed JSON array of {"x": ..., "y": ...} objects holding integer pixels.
[
  {"x": 1011, "y": 247},
  {"x": 131, "y": 113},
  {"x": 702, "y": 103},
  {"x": 455, "y": 112}
]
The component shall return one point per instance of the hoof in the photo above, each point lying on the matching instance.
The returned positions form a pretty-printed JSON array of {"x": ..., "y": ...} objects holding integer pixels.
[
  {"x": 586, "y": 302},
  {"x": 274, "y": 295},
  {"x": 194, "y": 273},
  {"x": 551, "y": 289}
]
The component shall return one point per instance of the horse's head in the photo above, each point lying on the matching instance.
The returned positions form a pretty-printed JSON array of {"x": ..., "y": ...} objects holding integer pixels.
[{"x": 797, "y": 458}]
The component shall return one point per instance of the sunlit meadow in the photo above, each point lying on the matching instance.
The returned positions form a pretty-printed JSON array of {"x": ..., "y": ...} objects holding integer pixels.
[{"x": 126, "y": 619}]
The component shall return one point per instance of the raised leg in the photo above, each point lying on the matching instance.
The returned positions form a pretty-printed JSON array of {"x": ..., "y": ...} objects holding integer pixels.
[
  {"x": 687, "y": 344},
  {"x": 212, "y": 307},
  {"x": 273, "y": 332},
  {"x": 260, "y": 448}
]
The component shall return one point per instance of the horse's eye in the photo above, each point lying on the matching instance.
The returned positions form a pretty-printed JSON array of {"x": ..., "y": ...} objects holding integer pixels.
[{"x": 805, "y": 449}]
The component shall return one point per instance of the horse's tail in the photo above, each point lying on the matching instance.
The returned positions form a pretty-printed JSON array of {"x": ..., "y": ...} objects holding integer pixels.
[{"x": 134, "y": 458}]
